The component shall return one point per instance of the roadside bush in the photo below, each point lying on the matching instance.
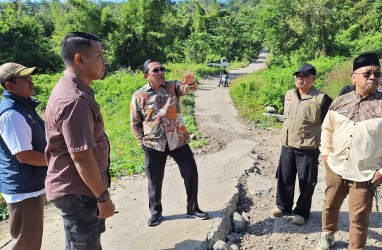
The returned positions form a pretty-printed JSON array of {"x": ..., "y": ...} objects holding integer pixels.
[
  {"x": 239, "y": 64},
  {"x": 252, "y": 93},
  {"x": 336, "y": 79},
  {"x": 3, "y": 209}
]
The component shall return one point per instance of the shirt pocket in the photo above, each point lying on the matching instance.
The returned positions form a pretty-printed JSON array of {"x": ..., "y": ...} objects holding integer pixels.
[
  {"x": 311, "y": 112},
  {"x": 287, "y": 108}
]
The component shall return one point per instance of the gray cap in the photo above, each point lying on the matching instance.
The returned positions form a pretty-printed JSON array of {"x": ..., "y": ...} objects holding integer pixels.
[{"x": 9, "y": 70}]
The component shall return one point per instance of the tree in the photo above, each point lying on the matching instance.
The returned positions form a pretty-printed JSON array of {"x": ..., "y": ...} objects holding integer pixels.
[
  {"x": 142, "y": 36},
  {"x": 23, "y": 40}
]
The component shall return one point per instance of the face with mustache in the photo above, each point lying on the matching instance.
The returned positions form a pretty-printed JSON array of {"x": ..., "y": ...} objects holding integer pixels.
[
  {"x": 21, "y": 86},
  {"x": 366, "y": 79},
  {"x": 304, "y": 82},
  {"x": 155, "y": 74}
]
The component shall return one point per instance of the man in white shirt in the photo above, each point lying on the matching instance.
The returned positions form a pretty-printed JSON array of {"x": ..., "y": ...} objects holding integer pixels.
[
  {"x": 351, "y": 148},
  {"x": 22, "y": 160}
]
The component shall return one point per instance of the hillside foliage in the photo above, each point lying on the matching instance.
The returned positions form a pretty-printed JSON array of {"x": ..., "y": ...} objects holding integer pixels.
[
  {"x": 184, "y": 35},
  {"x": 131, "y": 31}
]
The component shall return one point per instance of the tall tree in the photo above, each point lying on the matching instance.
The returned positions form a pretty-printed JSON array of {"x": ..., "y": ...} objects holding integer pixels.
[{"x": 142, "y": 35}]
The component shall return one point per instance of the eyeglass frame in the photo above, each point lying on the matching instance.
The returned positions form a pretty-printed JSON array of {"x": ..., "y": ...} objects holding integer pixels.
[
  {"x": 156, "y": 70},
  {"x": 367, "y": 74}
]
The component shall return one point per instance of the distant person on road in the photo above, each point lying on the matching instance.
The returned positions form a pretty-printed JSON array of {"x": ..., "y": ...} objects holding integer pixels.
[
  {"x": 78, "y": 149},
  {"x": 223, "y": 78},
  {"x": 351, "y": 148},
  {"x": 347, "y": 89},
  {"x": 304, "y": 110},
  {"x": 159, "y": 128},
  {"x": 22, "y": 160}
]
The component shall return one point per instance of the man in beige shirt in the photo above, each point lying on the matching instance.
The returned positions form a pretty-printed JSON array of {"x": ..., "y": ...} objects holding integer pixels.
[{"x": 351, "y": 148}]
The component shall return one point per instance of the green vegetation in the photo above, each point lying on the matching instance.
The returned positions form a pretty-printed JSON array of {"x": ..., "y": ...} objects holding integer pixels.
[
  {"x": 131, "y": 31},
  {"x": 326, "y": 33},
  {"x": 253, "y": 92},
  {"x": 114, "y": 95},
  {"x": 3, "y": 209}
]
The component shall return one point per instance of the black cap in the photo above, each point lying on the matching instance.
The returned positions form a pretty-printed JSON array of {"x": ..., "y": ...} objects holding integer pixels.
[
  {"x": 368, "y": 59},
  {"x": 306, "y": 69}
]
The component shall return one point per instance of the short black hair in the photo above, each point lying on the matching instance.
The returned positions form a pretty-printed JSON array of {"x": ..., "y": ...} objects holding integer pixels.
[
  {"x": 75, "y": 42},
  {"x": 145, "y": 69}
]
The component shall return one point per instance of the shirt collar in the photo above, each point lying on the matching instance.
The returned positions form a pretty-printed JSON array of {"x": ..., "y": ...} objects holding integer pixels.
[
  {"x": 371, "y": 95},
  {"x": 79, "y": 83},
  {"x": 308, "y": 95},
  {"x": 150, "y": 88}
]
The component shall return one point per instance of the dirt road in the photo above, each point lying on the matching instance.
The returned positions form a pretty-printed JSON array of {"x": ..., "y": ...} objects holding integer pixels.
[
  {"x": 236, "y": 173},
  {"x": 219, "y": 169}
]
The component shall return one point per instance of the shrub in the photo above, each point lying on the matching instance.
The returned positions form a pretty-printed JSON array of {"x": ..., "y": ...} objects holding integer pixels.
[
  {"x": 113, "y": 95},
  {"x": 252, "y": 93}
]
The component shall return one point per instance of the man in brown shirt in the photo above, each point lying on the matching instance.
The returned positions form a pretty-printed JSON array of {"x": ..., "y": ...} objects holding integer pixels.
[
  {"x": 159, "y": 128},
  {"x": 77, "y": 147}
]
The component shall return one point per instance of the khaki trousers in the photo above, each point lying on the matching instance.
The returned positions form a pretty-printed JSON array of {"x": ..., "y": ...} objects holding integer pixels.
[
  {"x": 360, "y": 206},
  {"x": 26, "y": 223}
]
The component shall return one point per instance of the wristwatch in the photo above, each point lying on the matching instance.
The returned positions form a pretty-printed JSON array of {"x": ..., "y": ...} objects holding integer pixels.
[{"x": 104, "y": 196}]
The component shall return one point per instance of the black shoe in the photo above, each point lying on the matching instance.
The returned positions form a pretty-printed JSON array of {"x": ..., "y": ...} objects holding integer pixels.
[
  {"x": 200, "y": 215},
  {"x": 155, "y": 219}
]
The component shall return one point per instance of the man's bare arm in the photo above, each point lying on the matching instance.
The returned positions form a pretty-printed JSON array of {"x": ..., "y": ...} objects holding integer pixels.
[{"x": 32, "y": 157}]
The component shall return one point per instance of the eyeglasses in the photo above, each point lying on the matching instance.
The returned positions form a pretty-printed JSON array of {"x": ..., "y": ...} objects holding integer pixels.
[
  {"x": 156, "y": 70},
  {"x": 367, "y": 74}
]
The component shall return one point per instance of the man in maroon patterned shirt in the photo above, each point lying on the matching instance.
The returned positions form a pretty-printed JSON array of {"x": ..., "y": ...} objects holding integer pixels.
[{"x": 159, "y": 128}]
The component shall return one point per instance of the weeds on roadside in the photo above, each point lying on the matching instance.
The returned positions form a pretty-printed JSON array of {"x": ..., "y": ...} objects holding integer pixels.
[
  {"x": 253, "y": 92},
  {"x": 3, "y": 209}
]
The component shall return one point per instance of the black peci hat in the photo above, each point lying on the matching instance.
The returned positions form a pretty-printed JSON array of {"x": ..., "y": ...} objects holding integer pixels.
[{"x": 368, "y": 59}]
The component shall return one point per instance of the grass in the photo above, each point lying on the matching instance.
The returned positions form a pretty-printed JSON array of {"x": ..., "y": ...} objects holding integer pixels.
[
  {"x": 3, "y": 209},
  {"x": 253, "y": 92}
]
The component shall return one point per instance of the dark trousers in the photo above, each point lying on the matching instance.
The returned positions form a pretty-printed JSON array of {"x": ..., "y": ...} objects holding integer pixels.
[
  {"x": 155, "y": 162},
  {"x": 304, "y": 164},
  {"x": 26, "y": 223},
  {"x": 82, "y": 226}
]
